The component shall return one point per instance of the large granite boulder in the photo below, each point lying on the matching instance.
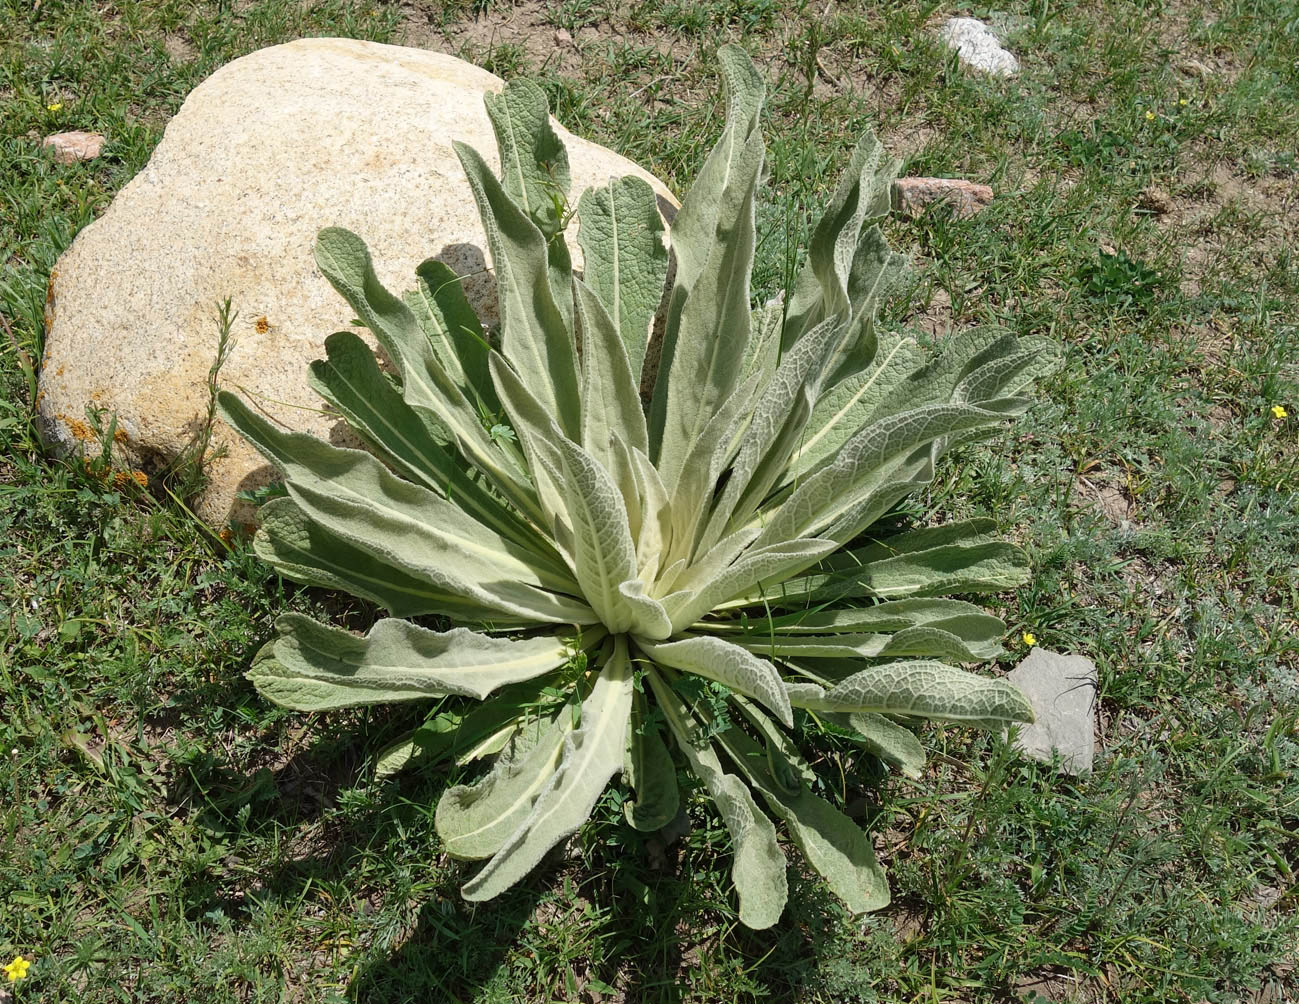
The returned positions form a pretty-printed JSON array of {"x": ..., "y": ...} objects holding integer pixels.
[{"x": 262, "y": 155}]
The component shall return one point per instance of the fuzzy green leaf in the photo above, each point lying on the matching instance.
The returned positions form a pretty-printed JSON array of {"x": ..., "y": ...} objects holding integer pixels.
[
  {"x": 302, "y": 551},
  {"x": 473, "y": 821},
  {"x": 650, "y": 772},
  {"x": 728, "y": 664},
  {"x": 535, "y": 336},
  {"x": 591, "y": 755},
  {"x": 534, "y": 163},
  {"x": 758, "y": 870},
  {"x": 891, "y": 742},
  {"x": 319, "y": 668},
  {"x": 441, "y": 308},
  {"x": 625, "y": 258},
  {"x": 832, "y": 843},
  {"x": 611, "y": 394},
  {"x": 922, "y": 689},
  {"x": 354, "y": 497}
]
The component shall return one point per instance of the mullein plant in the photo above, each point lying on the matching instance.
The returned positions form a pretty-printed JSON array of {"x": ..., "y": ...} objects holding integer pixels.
[{"x": 682, "y": 578}]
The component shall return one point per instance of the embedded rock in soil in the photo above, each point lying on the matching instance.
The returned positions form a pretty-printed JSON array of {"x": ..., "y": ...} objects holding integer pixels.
[
  {"x": 978, "y": 48},
  {"x": 266, "y": 152},
  {"x": 70, "y": 147},
  {"x": 912, "y": 195},
  {"x": 1062, "y": 691}
]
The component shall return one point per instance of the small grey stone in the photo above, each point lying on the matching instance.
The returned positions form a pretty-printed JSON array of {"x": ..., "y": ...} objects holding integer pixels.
[
  {"x": 978, "y": 48},
  {"x": 1062, "y": 691}
]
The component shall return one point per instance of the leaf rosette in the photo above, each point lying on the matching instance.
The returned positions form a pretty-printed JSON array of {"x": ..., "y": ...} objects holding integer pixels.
[{"x": 610, "y": 548}]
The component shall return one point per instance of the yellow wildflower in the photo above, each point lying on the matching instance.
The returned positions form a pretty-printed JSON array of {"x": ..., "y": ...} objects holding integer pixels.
[
  {"x": 1182, "y": 102},
  {"x": 1279, "y": 412},
  {"x": 1150, "y": 116},
  {"x": 57, "y": 106},
  {"x": 1030, "y": 639},
  {"x": 17, "y": 970}
]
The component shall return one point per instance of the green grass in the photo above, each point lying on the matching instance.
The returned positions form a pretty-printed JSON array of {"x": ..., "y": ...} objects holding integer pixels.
[{"x": 167, "y": 835}]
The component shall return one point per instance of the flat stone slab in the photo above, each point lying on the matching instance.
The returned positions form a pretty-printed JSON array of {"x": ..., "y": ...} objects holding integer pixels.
[{"x": 1062, "y": 691}]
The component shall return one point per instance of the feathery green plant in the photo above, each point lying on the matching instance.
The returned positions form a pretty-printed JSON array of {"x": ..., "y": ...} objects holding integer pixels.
[{"x": 611, "y": 552}]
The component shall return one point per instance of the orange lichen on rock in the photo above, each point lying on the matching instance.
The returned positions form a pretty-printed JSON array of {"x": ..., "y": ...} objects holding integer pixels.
[
  {"x": 79, "y": 429},
  {"x": 120, "y": 436},
  {"x": 262, "y": 325},
  {"x": 122, "y": 478}
]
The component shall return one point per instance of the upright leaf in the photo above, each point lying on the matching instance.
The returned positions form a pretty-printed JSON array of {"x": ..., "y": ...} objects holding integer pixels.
[
  {"x": 821, "y": 289},
  {"x": 707, "y": 328},
  {"x": 611, "y": 393},
  {"x": 534, "y": 163},
  {"x": 625, "y": 258},
  {"x": 443, "y": 311},
  {"x": 535, "y": 337},
  {"x": 604, "y": 552}
]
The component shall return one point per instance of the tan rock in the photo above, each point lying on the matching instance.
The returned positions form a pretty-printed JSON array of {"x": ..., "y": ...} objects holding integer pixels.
[
  {"x": 261, "y": 156},
  {"x": 70, "y": 147},
  {"x": 912, "y": 195}
]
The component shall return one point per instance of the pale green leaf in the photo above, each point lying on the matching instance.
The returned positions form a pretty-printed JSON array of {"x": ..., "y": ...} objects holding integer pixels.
[
  {"x": 604, "y": 553},
  {"x": 863, "y": 463},
  {"x": 913, "y": 641},
  {"x": 302, "y": 551},
  {"x": 922, "y": 689},
  {"x": 706, "y": 333},
  {"x": 758, "y": 870},
  {"x": 822, "y": 288},
  {"x": 649, "y": 772},
  {"x": 474, "y": 821},
  {"x": 848, "y": 405},
  {"x": 534, "y": 163},
  {"x": 728, "y": 664},
  {"x": 611, "y": 394},
  {"x": 352, "y": 381},
  {"x": 444, "y": 312},
  {"x": 354, "y": 497},
  {"x": 426, "y": 386},
  {"x": 963, "y": 619},
  {"x": 775, "y": 430},
  {"x": 893, "y": 743},
  {"x": 319, "y": 668},
  {"x": 535, "y": 336},
  {"x": 832, "y": 843},
  {"x": 626, "y": 260},
  {"x": 590, "y": 757},
  {"x": 773, "y": 563}
]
